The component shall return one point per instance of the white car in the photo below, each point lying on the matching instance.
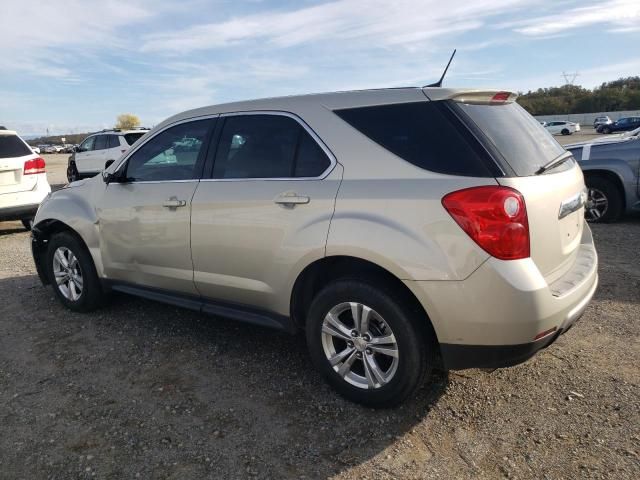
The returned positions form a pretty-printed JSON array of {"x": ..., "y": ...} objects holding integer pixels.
[
  {"x": 92, "y": 154},
  {"x": 36, "y": 150},
  {"x": 23, "y": 181},
  {"x": 562, "y": 128}
]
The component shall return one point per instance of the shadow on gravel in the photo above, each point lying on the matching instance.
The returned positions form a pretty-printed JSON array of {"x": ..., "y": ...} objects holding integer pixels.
[
  {"x": 9, "y": 228},
  {"x": 147, "y": 388}
]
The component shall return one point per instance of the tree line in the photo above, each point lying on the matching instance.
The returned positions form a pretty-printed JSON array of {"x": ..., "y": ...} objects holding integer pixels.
[{"x": 621, "y": 94}]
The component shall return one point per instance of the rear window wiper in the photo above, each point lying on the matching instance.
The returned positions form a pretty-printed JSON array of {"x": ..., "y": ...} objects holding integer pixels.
[{"x": 554, "y": 163}]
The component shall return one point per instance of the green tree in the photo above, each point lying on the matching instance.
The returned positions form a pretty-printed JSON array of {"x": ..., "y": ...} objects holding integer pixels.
[{"x": 127, "y": 121}]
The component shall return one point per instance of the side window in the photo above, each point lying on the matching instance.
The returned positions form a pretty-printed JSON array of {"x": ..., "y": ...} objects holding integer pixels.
[
  {"x": 267, "y": 146},
  {"x": 87, "y": 145},
  {"x": 101, "y": 142},
  {"x": 170, "y": 155},
  {"x": 114, "y": 141}
]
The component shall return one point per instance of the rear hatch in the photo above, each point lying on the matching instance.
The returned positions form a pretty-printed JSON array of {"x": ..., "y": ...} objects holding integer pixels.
[
  {"x": 554, "y": 198},
  {"x": 13, "y": 154}
]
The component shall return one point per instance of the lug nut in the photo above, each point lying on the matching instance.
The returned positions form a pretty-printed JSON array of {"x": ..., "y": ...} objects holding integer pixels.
[
  {"x": 369, "y": 351},
  {"x": 354, "y": 333},
  {"x": 358, "y": 354},
  {"x": 350, "y": 344},
  {"x": 366, "y": 337}
]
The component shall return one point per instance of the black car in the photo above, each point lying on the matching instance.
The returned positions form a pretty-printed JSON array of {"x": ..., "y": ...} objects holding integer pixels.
[{"x": 622, "y": 125}]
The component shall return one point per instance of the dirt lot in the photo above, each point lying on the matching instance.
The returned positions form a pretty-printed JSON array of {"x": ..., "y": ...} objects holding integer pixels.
[{"x": 140, "y": 389}]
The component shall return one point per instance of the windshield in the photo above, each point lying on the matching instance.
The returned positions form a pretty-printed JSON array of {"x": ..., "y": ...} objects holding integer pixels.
[{"x": 518, "y": 137}]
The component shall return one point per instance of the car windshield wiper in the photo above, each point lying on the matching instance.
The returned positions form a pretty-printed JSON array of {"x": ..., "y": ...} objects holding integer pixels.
[{"x": 555, "y": 162}]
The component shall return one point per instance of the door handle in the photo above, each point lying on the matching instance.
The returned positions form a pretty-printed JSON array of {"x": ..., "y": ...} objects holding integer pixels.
[
  {"x": 291, "y": 199},
  {"x": 174, "y": 203}
]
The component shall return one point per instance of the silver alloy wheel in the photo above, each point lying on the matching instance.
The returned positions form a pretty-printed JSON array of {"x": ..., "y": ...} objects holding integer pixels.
[
  {"x": 597, "y": 205},
  {"x": 359, "y": 345},
  {"x": 67, "y": 273}
]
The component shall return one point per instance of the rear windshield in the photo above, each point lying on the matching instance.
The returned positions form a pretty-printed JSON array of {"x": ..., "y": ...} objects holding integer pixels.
[
  {"x": 426, "y": 134},
  {"x": 516, "y": 135},
  {"x": 13, "y": 146},
  {"x": 131, "y": 138}
]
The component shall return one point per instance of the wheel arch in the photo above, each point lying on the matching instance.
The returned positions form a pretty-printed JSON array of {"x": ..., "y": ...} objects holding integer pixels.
[
  {"x": 40, "y": 236},
  {"x": 611, "y": 176},
  {"x": 324, "y": 270}
]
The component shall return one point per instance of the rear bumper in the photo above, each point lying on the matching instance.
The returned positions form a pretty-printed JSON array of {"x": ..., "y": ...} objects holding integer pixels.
[
  {"x": 18, "y": 213},
  {"x": 495, "y": 316}
]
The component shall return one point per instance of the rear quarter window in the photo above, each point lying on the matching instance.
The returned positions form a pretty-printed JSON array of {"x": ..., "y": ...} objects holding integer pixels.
[
  {"x": 426, "y": 134},
  {"x": 132, "y": 138},
  {"x": 13, "y": 146}
]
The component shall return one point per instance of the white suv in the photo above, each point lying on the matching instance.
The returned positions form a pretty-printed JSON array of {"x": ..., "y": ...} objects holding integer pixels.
[
  {"x": 23, "y": 181},
  {"x": 91, "y": 155}
]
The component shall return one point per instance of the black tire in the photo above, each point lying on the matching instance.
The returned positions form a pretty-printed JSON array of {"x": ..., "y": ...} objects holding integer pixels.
[
  {"x": 565, "y": 132},
  {"x": 72, "y": 173},
  {"x": 27, "y": 223},
  {"x": 612, "y": 194},
  {"x": 92, "y": 295},
  {"x": 606, "y": 130},
  {"x": 416, "y": 346}
]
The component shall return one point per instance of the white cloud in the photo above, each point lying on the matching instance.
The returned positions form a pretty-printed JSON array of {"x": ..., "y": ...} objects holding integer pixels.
[
  {"x": 372, "y": 23},
  {"x": 619, "y": 15}
]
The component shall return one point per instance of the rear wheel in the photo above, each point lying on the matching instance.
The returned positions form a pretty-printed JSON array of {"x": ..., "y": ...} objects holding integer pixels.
[
  {"x": 565, "y": 131},
  {"x": 72, "y": 273},
  {"x": 604, "y": 201},
  {"x": 368, "y": 344}
]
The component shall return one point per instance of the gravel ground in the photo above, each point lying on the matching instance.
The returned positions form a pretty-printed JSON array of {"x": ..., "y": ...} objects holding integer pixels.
[{"x": 143, "y": 390}]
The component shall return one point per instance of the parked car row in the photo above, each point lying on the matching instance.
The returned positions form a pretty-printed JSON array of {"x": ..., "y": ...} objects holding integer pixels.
[{"x": 66, "y": 148}]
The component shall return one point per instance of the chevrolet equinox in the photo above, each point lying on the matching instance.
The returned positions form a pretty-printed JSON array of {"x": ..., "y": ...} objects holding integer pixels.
[{"x": 397, "y": 227}]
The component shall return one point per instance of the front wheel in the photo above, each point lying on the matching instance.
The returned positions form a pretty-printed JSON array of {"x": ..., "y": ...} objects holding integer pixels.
[
  {"x": 565, "y": 132},
  {"x": 72, "y": 273},
  {"x": 72, "y": 173},
  {"x": 606, "y": 130},
  {"x": 604, "y": 201},
  {"x": 368, "y": 344}
]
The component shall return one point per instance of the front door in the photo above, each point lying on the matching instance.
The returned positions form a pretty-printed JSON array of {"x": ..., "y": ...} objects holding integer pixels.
[
  {"x": 265, "y": 212},
  {"x": 144, "y": 218}
]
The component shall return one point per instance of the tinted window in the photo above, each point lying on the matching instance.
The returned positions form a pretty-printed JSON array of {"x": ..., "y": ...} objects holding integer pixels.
[
  {"x": 311, "y": 160},
  {"x": 131, "y": 138},
  {"x": 114, "y": 142},
  {"x": 267, "y": 146},
  {"x": 516, "y": 135},
  {"x": 13, "y": 146},
  {"x": 88, "y": 144},
  {"x": 102, "y": 142},
  {"x": 426, "y": 134},
  {"x": 170, "y": 155}
]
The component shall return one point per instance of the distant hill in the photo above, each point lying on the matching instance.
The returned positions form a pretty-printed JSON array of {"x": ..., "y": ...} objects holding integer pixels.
[
  {"x": 621, "y": 94},
  {"x": 72, "y": 138}
]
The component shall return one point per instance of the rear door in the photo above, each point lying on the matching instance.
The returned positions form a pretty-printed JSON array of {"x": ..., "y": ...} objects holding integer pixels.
[
  {"x": 265, "y": 211},
  {"x": 554, "y": 199},
  {"x": 13, "y": 153}
]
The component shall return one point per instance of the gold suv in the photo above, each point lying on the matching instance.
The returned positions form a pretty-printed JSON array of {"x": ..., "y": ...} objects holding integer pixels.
[{"x": 394, "y": 226}]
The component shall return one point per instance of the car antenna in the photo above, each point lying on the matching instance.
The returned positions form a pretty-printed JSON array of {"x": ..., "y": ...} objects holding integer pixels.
[{"x": 439, "y": 82}]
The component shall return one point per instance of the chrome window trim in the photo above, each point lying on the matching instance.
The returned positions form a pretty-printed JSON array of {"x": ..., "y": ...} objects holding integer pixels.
[{"x": 332, "y": 159}]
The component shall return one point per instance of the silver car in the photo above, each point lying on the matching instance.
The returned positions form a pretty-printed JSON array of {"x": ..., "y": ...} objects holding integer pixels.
[{"x": 396, "y": 227}]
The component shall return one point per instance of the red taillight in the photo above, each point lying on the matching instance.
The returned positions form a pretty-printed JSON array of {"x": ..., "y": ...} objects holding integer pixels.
[
  {"x": 35, "y": 165},
  {"x": 501, "y": 97},
  {"x": 494, "y": 217}
]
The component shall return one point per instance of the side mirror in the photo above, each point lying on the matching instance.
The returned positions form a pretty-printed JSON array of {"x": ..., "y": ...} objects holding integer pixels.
[{"x": 108, "y": 163}]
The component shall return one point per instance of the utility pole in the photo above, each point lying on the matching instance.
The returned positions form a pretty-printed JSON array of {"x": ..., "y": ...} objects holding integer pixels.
[{"x": 569, "y": 79}]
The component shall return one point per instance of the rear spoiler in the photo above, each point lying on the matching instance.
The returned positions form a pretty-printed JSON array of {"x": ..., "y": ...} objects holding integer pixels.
[{"x": 475, "y": 97}]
